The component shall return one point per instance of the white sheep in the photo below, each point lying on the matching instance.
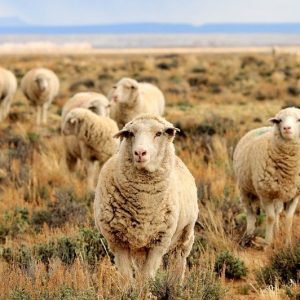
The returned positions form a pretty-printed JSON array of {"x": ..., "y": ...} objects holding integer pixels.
[
  {"x": 95, "y": 102},
  {"x": 146, "y": 200},
  {"x": 40, "y": 86},
  {"x": 267, "y": 166},
  {"x": 8, "y": 87},
  {"x": 95, "y": 139},
  {"x": 130, "y": 98}
]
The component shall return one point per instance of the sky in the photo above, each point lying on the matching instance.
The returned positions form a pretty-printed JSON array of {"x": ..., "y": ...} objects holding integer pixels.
[{"x": 70, "y": 12}]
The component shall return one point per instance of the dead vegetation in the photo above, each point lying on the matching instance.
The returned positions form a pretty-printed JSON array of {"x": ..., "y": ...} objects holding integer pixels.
[{"x": 49, "y": 248}]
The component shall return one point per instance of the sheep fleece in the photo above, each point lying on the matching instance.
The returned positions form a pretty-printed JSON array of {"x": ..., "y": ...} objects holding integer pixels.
[
  {"x": 170, "y": 206},
  {"x": 265, "y": 169}
]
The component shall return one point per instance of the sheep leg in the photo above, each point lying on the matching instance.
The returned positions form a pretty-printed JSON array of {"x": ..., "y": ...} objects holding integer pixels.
[
  {"x": 152, "y": 263},
  {"x": 39, "y": 115},
  {"x": 123, "y": 262},
  {"x": 278, "y": 210},
  {"x": 91, "y": 167},
  {"x": 177, "y": 261},
  {"x": 71, "y": 161},
  {"x": 251, "y": 214},
  {"x": 5, "y": 108},
  {"x": 290, "y": 211},
  {"x": 1, "y": 112},
  {"x": 270, "y": 213},
  {"x": 44, "y": 113}
]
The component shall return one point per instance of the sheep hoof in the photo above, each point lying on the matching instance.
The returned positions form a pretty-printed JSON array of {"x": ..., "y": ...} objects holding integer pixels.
[{"x": 247, "y": 240}]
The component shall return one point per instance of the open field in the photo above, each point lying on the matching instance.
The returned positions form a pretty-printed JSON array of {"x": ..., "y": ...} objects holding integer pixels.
[{"x": 49, "y": 248}]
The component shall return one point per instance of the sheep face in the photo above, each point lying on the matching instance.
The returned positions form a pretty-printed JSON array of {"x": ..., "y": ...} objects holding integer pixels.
[
  {"x": 125, "y": 91},
  {"x": 287, "y": 123},
  {"x": 41, "y": 82},
  {"x": 147, "y": 142},
  {"x": 99, "y": 108},
  {"x": 71, "y": 125}
]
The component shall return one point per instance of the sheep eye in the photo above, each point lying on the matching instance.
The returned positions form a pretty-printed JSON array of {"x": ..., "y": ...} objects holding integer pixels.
[
  {"x": 132, "y": 87},
  {"x": 159, "y": 133},
  {"x": 128, "y": 134},
  {"x": 114, "y": 87}
]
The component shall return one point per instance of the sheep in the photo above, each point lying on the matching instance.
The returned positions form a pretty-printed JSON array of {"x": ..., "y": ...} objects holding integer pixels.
[
  {"x": 266, "y": 163},
  {"x": 95, "y": 135},
  {"x": 130, "y": 98},
  {"x": 40, "y": 86},
  {"x": 95, "y": 102},
  {"x": 8, "y": 87},
  {"x": 146, "y": 201}
]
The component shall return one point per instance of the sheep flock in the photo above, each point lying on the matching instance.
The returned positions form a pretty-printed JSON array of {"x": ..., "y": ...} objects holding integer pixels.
[{"x": 145, "y": 198}]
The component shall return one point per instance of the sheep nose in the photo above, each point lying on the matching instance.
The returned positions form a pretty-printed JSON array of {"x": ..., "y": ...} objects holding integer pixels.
[
  {"x": 140, "y": 152},
  {"x": 115, "y": 98},
  {"x": 287, "y": 128}
]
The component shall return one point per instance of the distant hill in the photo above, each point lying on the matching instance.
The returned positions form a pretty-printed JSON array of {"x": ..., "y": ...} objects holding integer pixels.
[{"x": 16, "y": 26}]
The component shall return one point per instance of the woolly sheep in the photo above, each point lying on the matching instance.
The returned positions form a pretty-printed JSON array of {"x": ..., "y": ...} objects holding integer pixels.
[
  {"x": 40, "y": 86},
  {"x": 146, "y": 200},
  {"x": 8, "y": 87},
  {"x": 95, "y": 102},
  {"x": 95, "y": 134},
  {"x": 267, "y": 166},
  {"x": 130, "y": 98}
]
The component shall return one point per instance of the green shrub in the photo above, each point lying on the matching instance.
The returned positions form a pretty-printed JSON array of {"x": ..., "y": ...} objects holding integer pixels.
[
  {"x": 23, "y": 257},
  {"x": 234, "y": 267},
  {"x": 66, "y": 250},
  {"x": 20, "y": 294},
  {"x": 65, "y": 209},
  {"x": 4, "y": 231},
  {"x": 93, "y": 246},
  {"x": 202, "y": 284},
  {"x": 284, "y": 267},
  {"x": 44, "y": 252}
]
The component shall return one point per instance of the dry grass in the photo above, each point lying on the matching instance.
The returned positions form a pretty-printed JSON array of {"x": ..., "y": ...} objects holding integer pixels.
[{"x": 214, "y": 99}]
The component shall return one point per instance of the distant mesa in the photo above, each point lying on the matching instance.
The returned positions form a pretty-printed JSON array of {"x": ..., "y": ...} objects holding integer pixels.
[{"x": 14, "y": 25}]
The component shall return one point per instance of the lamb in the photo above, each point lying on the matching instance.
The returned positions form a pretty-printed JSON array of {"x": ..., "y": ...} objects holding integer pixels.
[
  {"x": 130, "y": 98},
  {"x": 266, "y": 162},
  {"x": 146, "y": 200},
  {"x": 95, "y": 135},
  {"x": 8, "y": 87},
  {"x": 40, "y": 86}
]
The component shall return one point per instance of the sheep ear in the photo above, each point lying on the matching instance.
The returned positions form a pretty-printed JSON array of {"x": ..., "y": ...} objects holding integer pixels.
[
  {"x": 74, "y": 124},
  {"x": 274, "y": 120},
  {"x": 172, "y": 131},
  {"x": 123, "y": 134}
]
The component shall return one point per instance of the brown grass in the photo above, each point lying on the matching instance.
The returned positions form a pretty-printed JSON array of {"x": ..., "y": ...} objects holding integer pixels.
[{"x": 213, "y": 98}]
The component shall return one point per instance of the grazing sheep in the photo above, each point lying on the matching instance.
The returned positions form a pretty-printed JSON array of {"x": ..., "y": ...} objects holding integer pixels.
[
  {"x": 8, "y": 87},
  {"x": 40, "y": 86},
  {"x": 267, "y": 166},
  {"x": 95, "y": 134},
  {"x": 146, "y": 200},
  {"x": 130, "y": 98}
]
